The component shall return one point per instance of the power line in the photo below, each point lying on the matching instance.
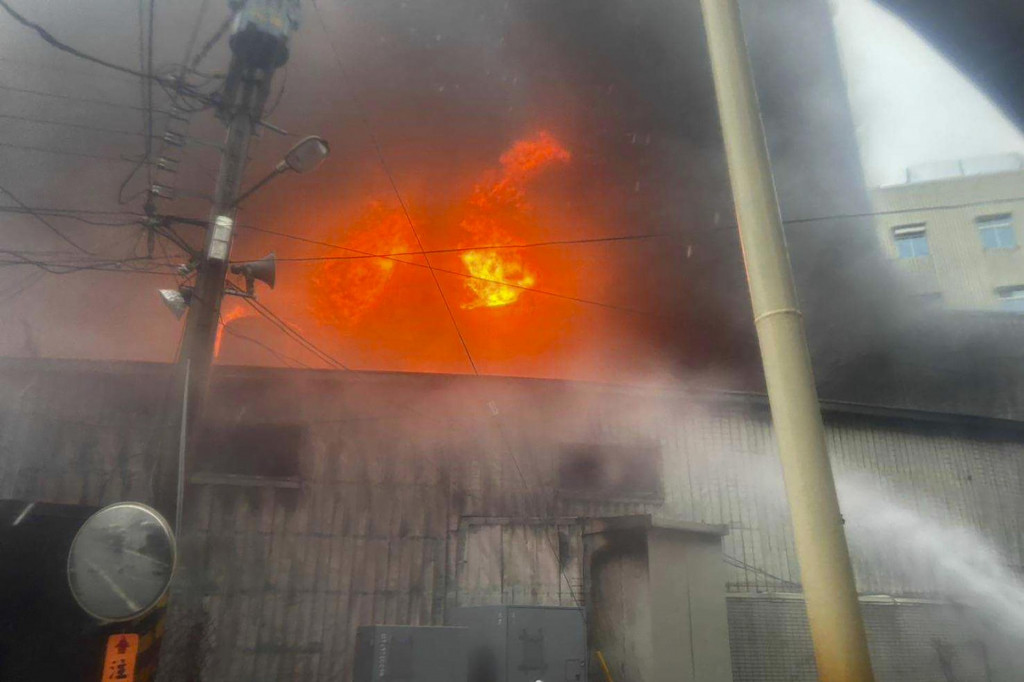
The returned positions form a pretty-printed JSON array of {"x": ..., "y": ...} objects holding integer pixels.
[
  {"x": 217, "y": 35},
  {"x": 161, "y": 229},
  {"x": 180, "y": 87},
  {"x": 193, "y": 37},
  {"x": 64, "y": 47},
  {"x": 147, "y": 103},
  {"x": 68, "y": 212},
  {"x": 123, "y": 265},
  {"x": 147, "y": 86},
  {"x": 45, "y": 222},
  {"x": 61, "y": 152},
  {"x": 280, "y": 356},
  {"x": 21, "y": 287},
  {"x": 484, "y": 247},
  {"x": 56, "y": 210},
  {"x": 75, "y": 98},
  {"x": 394, "y": 186},
  {"x": 74, "y": 258},
  {"x": 294, "y": 334},
  {"x": 738, "y": 563},
  {"x": 600, "y": 304},
  {"x": 60, "y": 210},
  {"x": 67, "y": 124},
  {"x": 37, "y": 65},
  {"x": 901, "y": 211},
  {"x": 72, "y": 216}
]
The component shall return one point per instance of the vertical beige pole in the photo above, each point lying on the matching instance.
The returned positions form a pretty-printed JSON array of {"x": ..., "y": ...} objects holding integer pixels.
[{"x": 840, "y": 646}]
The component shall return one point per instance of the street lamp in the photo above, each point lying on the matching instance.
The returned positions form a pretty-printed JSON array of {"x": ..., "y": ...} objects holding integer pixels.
[{"x": 307, "y": 154}]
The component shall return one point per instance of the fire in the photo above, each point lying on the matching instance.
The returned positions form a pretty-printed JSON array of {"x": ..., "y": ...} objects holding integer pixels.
[
  {"x": 343, "y": 291},
  {"x": 490, "y": 265},
  {"x": 387, "y": 311},
  {"x": 497, "y": 209},
  {"x": 237, "y": 312},
  {"x": 530, "y": 155}
]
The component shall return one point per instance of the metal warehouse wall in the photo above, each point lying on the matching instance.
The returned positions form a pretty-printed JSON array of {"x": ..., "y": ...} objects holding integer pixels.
[
  {"x": 405, "y": 494},
  {"x": 910, "y": 641}
]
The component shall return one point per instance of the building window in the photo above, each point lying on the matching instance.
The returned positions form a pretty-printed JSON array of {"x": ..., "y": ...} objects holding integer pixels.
[
  {"x": 1011, "y": 299},
  {"x": 248, "y": 453},
  {"x": 911, "y": 240},
  {"x": 997, "y": 231},
  {"x": 605, "y": 472}
]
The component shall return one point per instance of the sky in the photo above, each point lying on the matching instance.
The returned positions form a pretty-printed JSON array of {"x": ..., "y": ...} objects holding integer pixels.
[{"x": 910, "y": 104}]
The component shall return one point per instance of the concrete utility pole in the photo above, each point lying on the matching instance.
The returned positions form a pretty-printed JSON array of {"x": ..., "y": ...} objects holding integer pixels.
[
  {"x": 840, "y": 645},
  {"x": 259, "y": 45}
]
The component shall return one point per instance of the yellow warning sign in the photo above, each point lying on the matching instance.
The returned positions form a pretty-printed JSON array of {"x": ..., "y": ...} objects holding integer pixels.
[{"x": 119, "y": 663}]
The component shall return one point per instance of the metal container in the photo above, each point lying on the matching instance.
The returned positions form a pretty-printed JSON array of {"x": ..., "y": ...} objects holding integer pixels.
[
  {"x": 410, "y": 654},
  {"x": 524, "y": 643}
]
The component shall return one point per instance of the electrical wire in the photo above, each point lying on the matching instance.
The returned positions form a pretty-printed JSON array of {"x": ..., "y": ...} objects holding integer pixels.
[
  {"x": 738, "y": 563},
  {"x": 75, "y": 98},
  {"x": 193, "y": 37},
  {"x": 295, "y": 335},
  {"x": 37, "y": 65},
  {"x": 45, "y": 222},
  {"x": 181, "y": 88},
  {"x": 64, "y": 47},
  {"x": 286, "y": 359},
  {"x": 21, "y": 287},
  {"x": 280, "y": 93},
  {"x": 148, "y": 86},
  {"x": 72, "y": 258},
  {"x": 67, "y": 124},
  {"x": 197, "y": 222},
  {"x": 217, "y": 35},
  {"x": 465, "y": 275},
  {"x": 123, "y": 265},
  {"x": 899, "y": 211},
  {"x": 71, "y": 216},
  {"x": 147, "y": 104},
  {"x": 62, "y": 152},
  {"x": 484, "y": 247},
  {"x": 59, "y": 211}
]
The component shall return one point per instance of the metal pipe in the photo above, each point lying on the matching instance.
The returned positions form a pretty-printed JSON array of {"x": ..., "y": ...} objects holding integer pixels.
[
  {"x": 840, "y": 645},
  {"x": 604, "y": 667}
]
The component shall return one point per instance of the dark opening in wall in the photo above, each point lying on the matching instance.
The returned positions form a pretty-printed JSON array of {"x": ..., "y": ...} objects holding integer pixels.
[
  {"x": 631, "y": 472},
  {"x": 250, "y": 450}
]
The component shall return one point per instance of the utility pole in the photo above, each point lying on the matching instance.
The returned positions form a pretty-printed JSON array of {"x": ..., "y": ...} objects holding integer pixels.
[
  {"x": 259, "y": 45},
  {"x": 837, "y": 630}
]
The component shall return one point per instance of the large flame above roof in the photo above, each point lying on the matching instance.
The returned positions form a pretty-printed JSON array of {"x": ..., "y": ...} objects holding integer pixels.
[{"x": 494, "y": 216}]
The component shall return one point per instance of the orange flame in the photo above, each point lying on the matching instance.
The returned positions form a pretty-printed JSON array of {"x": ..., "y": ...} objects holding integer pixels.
[
  {"x": 491, "y": 265},
  {"x": 495, "y": 209},
  {"x": 237, "y": 312},
  {"x": 342, "y": 291}
]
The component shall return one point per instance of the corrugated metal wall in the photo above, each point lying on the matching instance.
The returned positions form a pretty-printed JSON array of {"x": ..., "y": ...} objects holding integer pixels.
[
  {"x": 415, "y": 492},
  {"x": 909, "y": 642}
]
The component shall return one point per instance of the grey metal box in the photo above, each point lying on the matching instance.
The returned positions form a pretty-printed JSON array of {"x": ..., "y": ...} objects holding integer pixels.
[
  {"x": 524, "y": 643},
  {"x": 410, "y": 653}
]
